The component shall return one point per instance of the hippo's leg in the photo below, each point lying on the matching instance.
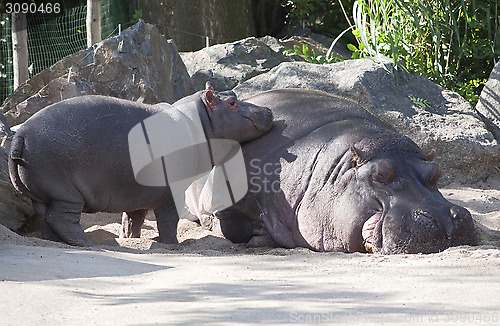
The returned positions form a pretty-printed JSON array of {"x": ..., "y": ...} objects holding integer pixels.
[
  {"x": 235, "y": 226},
  {"x": 241, "y": 229},
  {"x": 64, "y": 219},
  {"x": 166, "y": 221},
  {"x": 261, "y": 241},
  {"x": 41, "y": 214},
  {"x": 132, "y": 223}
]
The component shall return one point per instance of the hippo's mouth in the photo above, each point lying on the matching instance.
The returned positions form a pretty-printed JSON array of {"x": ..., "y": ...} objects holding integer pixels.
[
  {"x": 369, "y": 229},
  {"x": 262, "y": 126}
]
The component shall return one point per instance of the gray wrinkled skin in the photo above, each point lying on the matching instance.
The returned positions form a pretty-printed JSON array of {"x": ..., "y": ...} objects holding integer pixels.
[
  {"x": 326, "y": 169},
  {"x": 73, "y": 156}
]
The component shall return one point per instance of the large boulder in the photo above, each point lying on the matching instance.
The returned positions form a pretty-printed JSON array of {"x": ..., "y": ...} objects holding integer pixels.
[
  {"x": 436, "y": 119},
  {"x": 227, "y": 65},
  {"x": 139, "y": 65},
  {"x": 489, "y": 102},
  {"x": 15, "y": 209}
]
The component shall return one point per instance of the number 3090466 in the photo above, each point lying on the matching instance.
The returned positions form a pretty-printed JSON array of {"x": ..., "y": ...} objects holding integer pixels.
[{"x": 32, "y": 8}]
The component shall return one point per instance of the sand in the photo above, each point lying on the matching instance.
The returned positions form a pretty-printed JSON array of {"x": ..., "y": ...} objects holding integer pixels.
[{"x": 209, "y": 280}]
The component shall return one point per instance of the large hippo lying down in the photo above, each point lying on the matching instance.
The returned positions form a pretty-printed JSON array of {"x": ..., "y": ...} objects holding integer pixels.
[
  {"x": 330, "y": 176},
  {"x": 73, "y": 156}
]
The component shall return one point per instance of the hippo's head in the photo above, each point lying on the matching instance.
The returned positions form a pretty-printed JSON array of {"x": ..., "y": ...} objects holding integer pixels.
[
  {"x": 229, "y": 118},
  {"x": 397, "y": 206}
]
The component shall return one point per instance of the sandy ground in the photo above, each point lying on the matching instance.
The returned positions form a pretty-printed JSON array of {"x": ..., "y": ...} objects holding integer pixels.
[{"x": 209, "y": 280}]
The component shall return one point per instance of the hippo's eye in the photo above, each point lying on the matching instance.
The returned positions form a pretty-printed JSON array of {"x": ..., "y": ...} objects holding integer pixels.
[
  {"x": 383, "y": 172},
  {"x": 233, "y": 104}
]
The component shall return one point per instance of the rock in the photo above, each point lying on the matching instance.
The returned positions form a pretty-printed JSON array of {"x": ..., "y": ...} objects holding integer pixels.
[
  {"x": 5, "y": 130},
  {"x": 227, "y": 65},
  {"x": 300, "y": 41},
  {"x": 325, "y": 41},
  {"x": 15, "y": 209},
  {"x": 465, "y": 150},
  {"x": 139, "y": 65},
  {"x": 489, "y": 102}
]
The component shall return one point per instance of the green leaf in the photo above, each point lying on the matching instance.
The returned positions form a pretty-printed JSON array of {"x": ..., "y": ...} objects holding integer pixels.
[
  {"x": 420, "y": 102},
  {"x": 352, "y": 47},
  {"x": 137, "y": 15}
]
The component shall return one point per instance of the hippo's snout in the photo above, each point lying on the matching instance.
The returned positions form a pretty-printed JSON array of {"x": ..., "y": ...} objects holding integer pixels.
[
  {"x": 445, "y": 225},
  {"x": 428, "y": 230},
  {"x": 261, "y": 117}
]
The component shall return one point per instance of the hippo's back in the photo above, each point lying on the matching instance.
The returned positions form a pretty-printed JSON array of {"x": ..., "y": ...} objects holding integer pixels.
[
  {"x": 79, "y": 116},
  {"x": 77, "y": 149},
  {"x": 299, "y": 112}
]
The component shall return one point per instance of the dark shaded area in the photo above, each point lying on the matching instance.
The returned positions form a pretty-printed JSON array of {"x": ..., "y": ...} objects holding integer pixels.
[
  {"x": 269, "y": 17},
  {"x": 190, "y": 22},
  {"x": 48, "y": 265}
]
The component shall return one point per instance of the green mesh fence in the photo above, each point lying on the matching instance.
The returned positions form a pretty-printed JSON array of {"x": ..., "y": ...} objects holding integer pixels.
[
  {"x": 6, "y": 69},
  {"x": 52, "y": 37}
]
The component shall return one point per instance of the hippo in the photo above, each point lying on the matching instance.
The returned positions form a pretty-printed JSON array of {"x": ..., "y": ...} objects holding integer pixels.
[
  {"x": 73, "y": 157},
  {"x": 331, "y": 176}
]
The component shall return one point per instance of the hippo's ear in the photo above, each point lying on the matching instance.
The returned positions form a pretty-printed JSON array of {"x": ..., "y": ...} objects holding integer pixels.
[
  {"x": 356, "y": 158},
  {"x": 431, "y": 154},
  {"x": 208, "y": 86},
  {"x": 210, "y": 100}
]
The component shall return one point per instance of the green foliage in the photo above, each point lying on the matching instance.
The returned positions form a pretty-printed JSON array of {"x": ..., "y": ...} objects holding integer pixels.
[
  {"x": 452, "y": 42},
  {"x": 302, "y": 12},
  {"x": 137, "y": 15},
  {"x": 321, "y": 16},
  {"x": 420, "y": 101},
  {"x": 455, "y": 43},
  {"x": 310, "y": 56},
  {"x": 5, "y": 57}
]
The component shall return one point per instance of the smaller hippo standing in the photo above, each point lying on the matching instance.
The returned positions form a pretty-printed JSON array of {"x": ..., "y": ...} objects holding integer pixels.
[{"x": 73, "y": 157}]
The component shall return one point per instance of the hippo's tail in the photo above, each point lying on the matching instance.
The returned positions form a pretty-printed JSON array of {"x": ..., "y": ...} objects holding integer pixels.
[{"x": 15, "y": 160}]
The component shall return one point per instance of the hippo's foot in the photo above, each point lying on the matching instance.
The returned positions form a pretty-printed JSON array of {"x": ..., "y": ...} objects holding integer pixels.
[
  {"x": 167, "y": 219},
  {"x": 41, "y": 214},
  {"x": 259, "y": 241},
  {"x": 132, "y": 223},
  {"x": 235, "y": 226},
  {"x": 64, "y": 220}
]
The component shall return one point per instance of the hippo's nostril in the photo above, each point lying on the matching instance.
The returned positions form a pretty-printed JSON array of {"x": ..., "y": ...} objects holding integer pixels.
[
  {"x": 458, "y": 213},
  {"x": 424, "y": 214}
]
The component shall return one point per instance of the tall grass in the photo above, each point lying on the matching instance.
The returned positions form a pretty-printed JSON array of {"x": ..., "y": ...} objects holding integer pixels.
[{"x": 453, "y": 42}]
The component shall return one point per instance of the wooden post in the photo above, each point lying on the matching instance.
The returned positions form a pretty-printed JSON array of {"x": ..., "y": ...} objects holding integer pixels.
[
  {"x": 93, "y": 22},
  {"x": 20, "y": 48}
]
